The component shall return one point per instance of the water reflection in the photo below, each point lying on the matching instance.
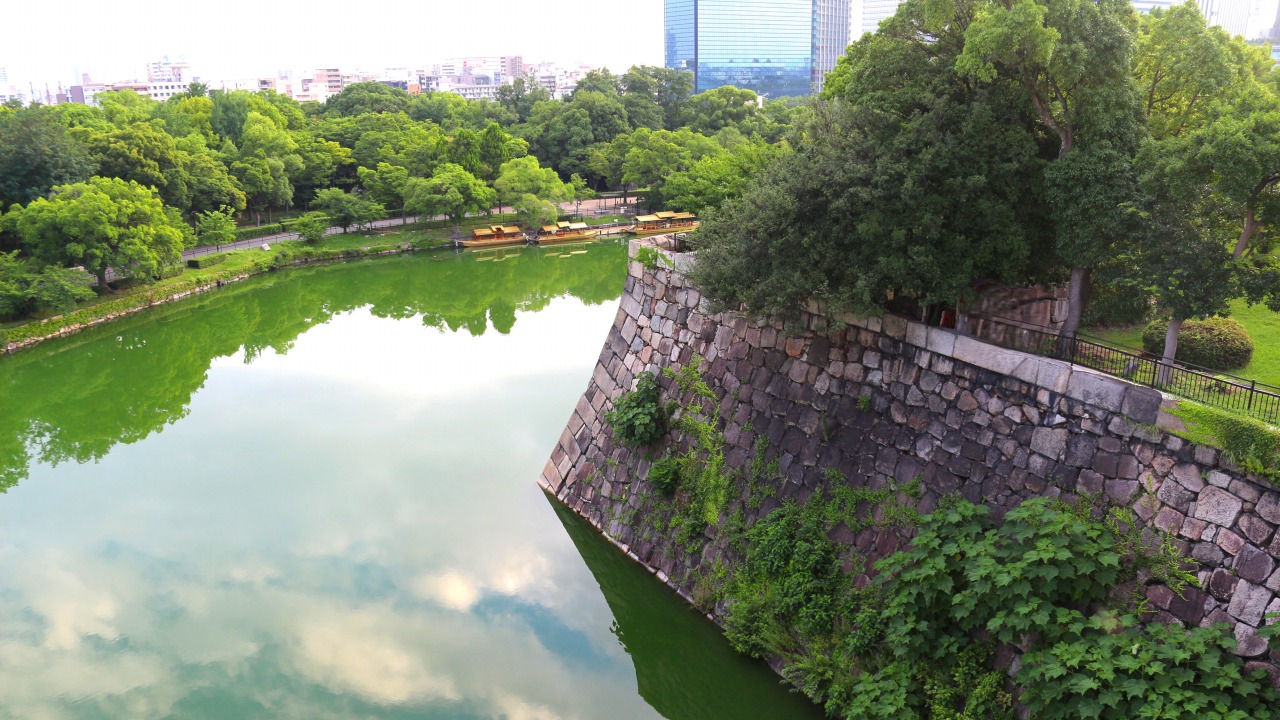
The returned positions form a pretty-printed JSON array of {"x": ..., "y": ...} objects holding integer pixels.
[
  {"x": 348, "y": 529},
  {"x": 74, "y": 399},
  {"x": 672, "y": 645}
]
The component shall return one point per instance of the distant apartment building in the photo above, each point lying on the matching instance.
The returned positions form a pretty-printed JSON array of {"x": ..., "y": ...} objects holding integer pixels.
[
  {"x": 250, "y": 84},
  {"x": 778, "y": 48},
  {"x": 85, "y": 94},
  {"x": 166, "y": 78},
  {"x": 330, "y": 78}
]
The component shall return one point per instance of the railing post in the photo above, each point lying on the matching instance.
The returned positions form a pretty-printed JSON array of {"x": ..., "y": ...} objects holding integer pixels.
[{"x": 1253, "y": 390}]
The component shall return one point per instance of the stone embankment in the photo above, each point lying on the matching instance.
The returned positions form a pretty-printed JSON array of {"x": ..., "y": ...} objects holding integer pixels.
[{"x": 886, "y": 401}]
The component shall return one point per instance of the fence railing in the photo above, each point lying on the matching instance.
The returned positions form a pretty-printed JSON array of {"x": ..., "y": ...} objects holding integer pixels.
[{"x": 1236, "y": 394}]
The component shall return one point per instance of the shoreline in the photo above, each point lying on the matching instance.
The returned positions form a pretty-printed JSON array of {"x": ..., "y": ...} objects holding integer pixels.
[{"x": 146, "y": 301}]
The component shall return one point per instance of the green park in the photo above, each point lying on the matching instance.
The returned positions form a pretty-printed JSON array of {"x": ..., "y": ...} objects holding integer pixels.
[{"x": 268, "y": 432}]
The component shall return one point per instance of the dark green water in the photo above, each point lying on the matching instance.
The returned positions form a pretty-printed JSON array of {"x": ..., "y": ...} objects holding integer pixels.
[{"x": 313, "y": 495}]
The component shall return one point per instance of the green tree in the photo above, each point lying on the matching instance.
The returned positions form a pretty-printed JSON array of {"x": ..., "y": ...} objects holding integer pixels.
[
  {"x": 909, "y": 182},
  {"x": 581, "y": 192},
  {"x": 534, "y": 191},
  {"x": 312, "y": 226},
  {"x": 347, "y": 209},
  {"x": 721, "y": 107},
  {"x": 599, "y": 80},
  {"x": 386, "y": 185},
  {"x": 520, "y": 95},
  {"x": 712, "y": 180},
  {"x": 37, "y": 153},
  {"x": 451, "y": 191},
  {"x": 494, "y": 150},
  {"x": 26, "y": 286},
  {"x": 100, "y": 224},
  {"x": 1211, "y": 141},
  {"x": 367, "y": 97},
  {"x": 216, "y": 227},
  {"x": 1073, "y": 61}
]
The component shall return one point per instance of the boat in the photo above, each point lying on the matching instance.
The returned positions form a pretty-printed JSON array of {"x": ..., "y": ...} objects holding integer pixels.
[
  {"x": 664, "y": 222},
  {"x": 565, "y": 232},
  {"x": 495, "y": 235}
]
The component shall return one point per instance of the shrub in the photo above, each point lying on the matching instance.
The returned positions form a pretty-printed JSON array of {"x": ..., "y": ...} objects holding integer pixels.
[
  {"x": 257, "y": 231},
  {"x": 637, "y": 417},
  {"x": 1217, "y": 343},
  {"x": 205, "y": 261},
  {"x": 664, "y": 476},
  {"x": 1154, "y": 672},
  {"x": 169, "y": 271}
]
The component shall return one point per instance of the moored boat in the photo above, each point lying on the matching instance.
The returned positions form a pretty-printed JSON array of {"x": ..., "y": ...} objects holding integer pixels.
[
  {"x": 565, "y": 232},
  {"x": 495, "y": 235},
  {"x": 664, "y": 222}
]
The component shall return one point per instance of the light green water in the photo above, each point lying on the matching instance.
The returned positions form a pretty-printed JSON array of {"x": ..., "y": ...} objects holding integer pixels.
[{"x": 313, "y": 495}]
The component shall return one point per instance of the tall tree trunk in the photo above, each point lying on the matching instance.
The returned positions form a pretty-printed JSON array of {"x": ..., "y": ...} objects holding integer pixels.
[
  {"x": 1165, "y": 374},
  {"x": 102, "y": 280},
  {"x": 1077, "y": 297},
  {"x": 1250, "y": 227}
]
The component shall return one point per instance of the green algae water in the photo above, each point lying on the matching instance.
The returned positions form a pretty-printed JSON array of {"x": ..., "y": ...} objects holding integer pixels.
[{"x": 313, "y": 495}]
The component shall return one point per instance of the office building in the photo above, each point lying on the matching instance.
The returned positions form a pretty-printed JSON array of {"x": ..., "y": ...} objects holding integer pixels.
[{"x": 777, "y": 48}]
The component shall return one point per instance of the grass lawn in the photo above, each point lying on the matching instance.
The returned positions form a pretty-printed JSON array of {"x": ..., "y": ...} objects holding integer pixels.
[{"x": 1263, "y": 326}]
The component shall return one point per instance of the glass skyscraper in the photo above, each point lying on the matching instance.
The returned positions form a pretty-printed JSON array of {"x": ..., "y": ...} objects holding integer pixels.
[{"x": 777, "y": 48}]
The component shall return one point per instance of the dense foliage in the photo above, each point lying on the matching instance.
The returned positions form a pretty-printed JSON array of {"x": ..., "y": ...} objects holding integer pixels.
[
  {"x": 917, "y": 642},
  {"x": 211, "y": 159},
  {"x": 1217, "y": 343},
  {"x": 1032, "y": 140}
]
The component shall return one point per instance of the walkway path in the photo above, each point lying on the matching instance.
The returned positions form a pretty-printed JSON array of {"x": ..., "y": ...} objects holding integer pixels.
[{"x": 599, "y": 206}]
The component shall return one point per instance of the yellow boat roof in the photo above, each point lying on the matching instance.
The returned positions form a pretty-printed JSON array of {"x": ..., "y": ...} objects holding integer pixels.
[
  {"x": 481, "y": 232},
  {"x": 563, "y": 224},
  {"x": 648, "y": 218},
  {"x": 549, "y": 228},
  {"x": 683, "y": 216},
  {"x": 578, "y": 226},
  {"x": 508, "y": 229},
  {"x": 665, "y": 215}
]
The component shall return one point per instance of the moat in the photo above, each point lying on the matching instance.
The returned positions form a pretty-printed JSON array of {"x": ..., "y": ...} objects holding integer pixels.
[{"x": 312, "y": 495}]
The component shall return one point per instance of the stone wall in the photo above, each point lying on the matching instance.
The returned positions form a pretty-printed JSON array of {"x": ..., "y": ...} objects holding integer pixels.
[{"x": 994, "y": 425}]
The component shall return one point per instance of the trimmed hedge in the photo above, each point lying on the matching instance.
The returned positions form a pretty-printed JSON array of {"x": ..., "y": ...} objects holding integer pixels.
[
  {"x": 1218, "y": 343},
  {"x": 169, "y": 271},
  {"x": 257, "y": 231},
  {"x": 205, "y": 261}
]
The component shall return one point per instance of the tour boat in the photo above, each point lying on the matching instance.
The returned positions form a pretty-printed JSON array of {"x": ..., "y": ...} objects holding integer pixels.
[
  {"x": 664, "y": 222},
  {"x": 495, "y": 235},
  {"x": 565, "y": 232}
]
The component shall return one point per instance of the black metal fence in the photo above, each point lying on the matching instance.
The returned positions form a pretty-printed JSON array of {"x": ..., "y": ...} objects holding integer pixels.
[{"x": 1247, "y": 397}]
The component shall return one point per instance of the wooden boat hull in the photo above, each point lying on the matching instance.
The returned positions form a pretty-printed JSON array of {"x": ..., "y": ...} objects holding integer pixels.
[
  {"x": 646, "y": 232},
  {"x": 492, "y": 243},
  {"x": 567, "y": 237}
]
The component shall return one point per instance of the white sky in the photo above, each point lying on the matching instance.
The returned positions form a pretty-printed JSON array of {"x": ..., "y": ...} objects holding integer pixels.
[{"x": 51, "y": 40}]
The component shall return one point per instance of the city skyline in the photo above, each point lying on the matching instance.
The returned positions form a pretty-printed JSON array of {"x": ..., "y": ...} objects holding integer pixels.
[{"x": 116, "y": 43}]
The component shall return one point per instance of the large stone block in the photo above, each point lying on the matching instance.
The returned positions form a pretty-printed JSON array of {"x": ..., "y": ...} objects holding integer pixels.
[
  {"x": 1141, "y": 404},
  {"x": 941, "y": 341},
  {"x": 1249, "y": 602},
  {"x": 1097, "y": 389},
  {"x": 1218, "y": 506},
  {"x": 1050, "y": 442},
  {"x": 987, "y": 356}
]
